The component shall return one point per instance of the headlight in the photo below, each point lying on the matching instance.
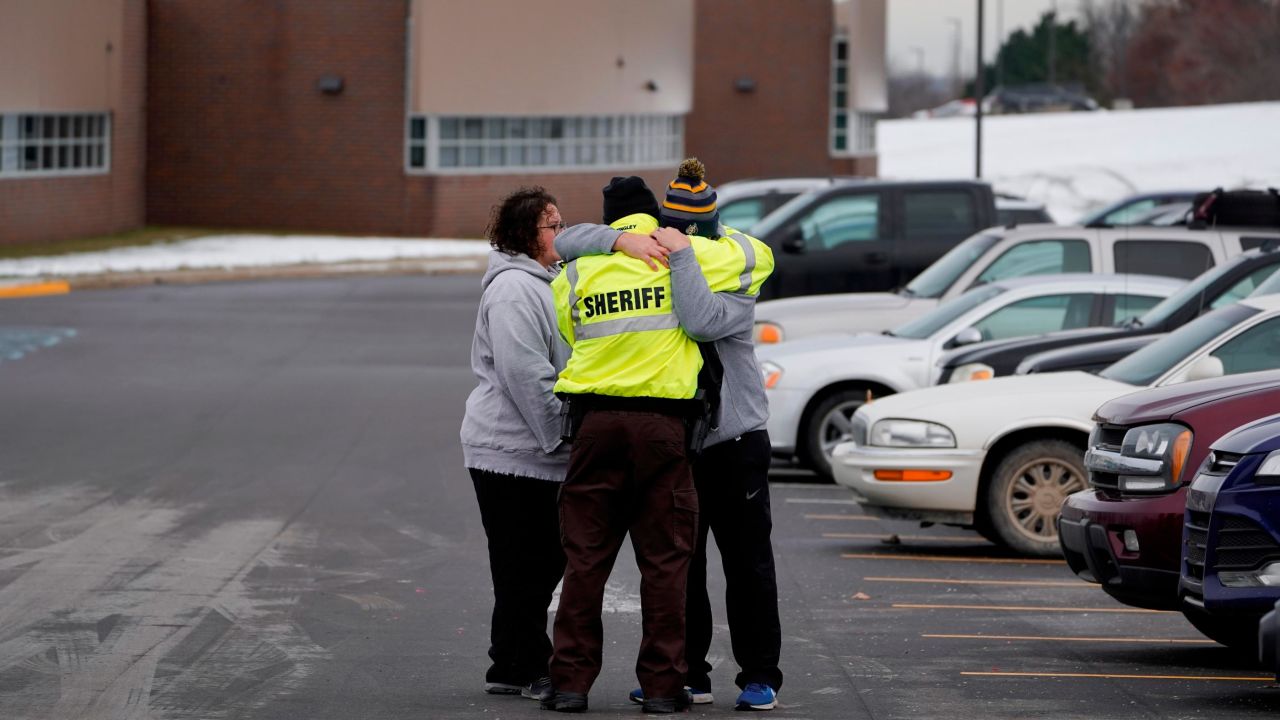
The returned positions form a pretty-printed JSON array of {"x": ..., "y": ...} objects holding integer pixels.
[
  {"x": 972, "y": 371},
  {"x": 1269, "y": 471},
  {"x": 770, "y": 373},
  {"x": 911, "y": 433},
  {"x": 1169, "y": 443},
  {"x": 768, "y": 333}
]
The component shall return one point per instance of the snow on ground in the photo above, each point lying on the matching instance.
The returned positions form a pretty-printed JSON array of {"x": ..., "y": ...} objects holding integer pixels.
[
  {"x": 1075, "y": 162},
  {"x": 241, "y": 251}
]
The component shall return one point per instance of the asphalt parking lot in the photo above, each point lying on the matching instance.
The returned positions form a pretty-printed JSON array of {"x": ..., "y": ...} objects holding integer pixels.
[{"x": 246, "y": 500}]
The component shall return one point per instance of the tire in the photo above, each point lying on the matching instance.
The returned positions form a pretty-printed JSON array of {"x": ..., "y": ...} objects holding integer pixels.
[
  {"x": 1236, "y": 631},
  {"x": 1026, "y": 493},
  {"x": 829, "y": 426}
]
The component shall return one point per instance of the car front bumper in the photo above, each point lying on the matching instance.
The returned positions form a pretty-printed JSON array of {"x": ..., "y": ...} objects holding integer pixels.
[
  {"x": 947, "y": 501},
  {"x": 1091, "y": 531}
]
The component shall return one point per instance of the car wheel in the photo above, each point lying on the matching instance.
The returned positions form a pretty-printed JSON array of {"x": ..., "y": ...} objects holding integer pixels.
[
  {"x": 831, "y": 424},
  {"x": 1026, "y": 493},
  {"x": 1239, "y": 632}
]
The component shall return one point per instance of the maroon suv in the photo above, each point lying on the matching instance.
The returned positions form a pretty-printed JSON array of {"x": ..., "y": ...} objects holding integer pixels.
[{"x": 1125, "y": 531}]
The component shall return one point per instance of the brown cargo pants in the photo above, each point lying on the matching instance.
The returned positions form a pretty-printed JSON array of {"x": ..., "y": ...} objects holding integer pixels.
[{"x": 629, "y": 471}]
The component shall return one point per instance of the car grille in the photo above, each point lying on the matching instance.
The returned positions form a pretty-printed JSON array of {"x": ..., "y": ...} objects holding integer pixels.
[
  {"x": 1197, "y": 538},
  {"x": 1107, "y": 437},
  {"x": 1243, "y": 545}
]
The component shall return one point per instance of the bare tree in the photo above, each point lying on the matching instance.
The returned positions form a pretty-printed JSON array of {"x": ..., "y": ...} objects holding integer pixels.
[{"x": 1110, "y": 25}]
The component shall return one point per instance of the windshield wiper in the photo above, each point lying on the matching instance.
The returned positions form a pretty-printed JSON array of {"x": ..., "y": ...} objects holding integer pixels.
[
  {"x": 1133, "y": 323},
  {"x": 906, "y": 291},
  {"x": 888, "y": 332}
]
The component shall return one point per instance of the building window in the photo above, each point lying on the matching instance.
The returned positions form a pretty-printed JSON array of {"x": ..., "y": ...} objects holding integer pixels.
[
  {"x": 460, "y": 144},
  {"x": 54, "y": 144},
  {"x": 852, "y": 133}
]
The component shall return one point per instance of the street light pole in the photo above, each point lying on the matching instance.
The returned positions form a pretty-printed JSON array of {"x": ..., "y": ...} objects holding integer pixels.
[{"x": 978, "y": 92}]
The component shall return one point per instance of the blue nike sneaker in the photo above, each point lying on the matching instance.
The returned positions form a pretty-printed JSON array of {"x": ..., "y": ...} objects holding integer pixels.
[{"x": 757, "y": 696}]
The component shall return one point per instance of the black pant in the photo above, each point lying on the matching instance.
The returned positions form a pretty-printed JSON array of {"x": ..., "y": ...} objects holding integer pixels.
[
  {"x": 522, "y": 523},
  {"x": 732, "y": 479}
]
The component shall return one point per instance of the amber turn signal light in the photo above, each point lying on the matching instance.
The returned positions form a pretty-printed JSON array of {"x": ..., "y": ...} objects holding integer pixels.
[{"x": 913, "y": 475}]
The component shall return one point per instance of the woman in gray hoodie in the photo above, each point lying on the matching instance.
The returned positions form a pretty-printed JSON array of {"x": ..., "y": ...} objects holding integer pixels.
[{"x": 511, "y": 436}]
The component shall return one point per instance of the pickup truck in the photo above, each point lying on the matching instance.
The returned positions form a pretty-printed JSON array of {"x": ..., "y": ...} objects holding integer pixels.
[{"x": 1003, "y": 253}]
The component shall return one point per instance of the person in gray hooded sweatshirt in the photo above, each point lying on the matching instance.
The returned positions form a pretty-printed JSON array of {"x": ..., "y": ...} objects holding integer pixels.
[{"x": 511, "y": 436}]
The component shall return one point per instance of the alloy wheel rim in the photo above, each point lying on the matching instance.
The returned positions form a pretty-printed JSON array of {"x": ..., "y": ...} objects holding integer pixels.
[
  {"x": 837, "y": 427},
  {"x": 1036, "y": 494}
]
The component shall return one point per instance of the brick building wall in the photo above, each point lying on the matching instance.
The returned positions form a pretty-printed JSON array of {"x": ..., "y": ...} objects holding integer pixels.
[
  {"x": 779, "y": 128},
  {"x": 241, "y": 135},
  {"x": 57, "y": 208}
]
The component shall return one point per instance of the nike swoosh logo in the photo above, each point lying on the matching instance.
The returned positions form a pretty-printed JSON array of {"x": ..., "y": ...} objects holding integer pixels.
[{"x": 753, "y": 494}]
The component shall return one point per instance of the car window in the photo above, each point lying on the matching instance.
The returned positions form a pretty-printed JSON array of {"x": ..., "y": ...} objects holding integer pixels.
[
  {"x": 1245, "y": 287},
  {"x": 1249, "y": 243},
  {"x": 938, "y": 277},
  {"x": 840, "y": 220},
  {"x": 1257, "y": 348},
  {"x": 1154, "y": 360},
  {"x": 1131, "y": 212},
  {"x": 945, "y": 314},
  {"x": 1128, "y": 307},
  {"x": 742, "y": 214},
  {"x": 1039, "y": 257},
  {"x": 930, "y": 213},
  {"x": 1037, "y": 315},
  {"x": 1162, "y": 257}
]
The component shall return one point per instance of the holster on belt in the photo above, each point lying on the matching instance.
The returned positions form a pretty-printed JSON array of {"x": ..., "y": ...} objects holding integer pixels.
[{"x": 571, "y": 412}]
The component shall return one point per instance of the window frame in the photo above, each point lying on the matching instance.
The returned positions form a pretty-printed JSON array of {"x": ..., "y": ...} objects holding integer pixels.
[
  {"x": 609, "y": 142},
  {"x": 14, "y": 143},
  {"x": 856, "y": 129}
]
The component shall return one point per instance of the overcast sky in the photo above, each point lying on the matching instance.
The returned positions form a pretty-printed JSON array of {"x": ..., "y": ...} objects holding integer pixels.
[{"x": 924, "y": 24}]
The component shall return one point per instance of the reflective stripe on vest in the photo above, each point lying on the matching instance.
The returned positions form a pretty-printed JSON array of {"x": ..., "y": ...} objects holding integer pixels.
[
  {"x": 749, "y": 254},
  {"x": 605, "y": 328}
]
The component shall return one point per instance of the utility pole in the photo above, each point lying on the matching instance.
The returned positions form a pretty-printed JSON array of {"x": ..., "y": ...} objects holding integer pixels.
[
  {"x": 978, "y": 92},
  {"x": 1053, "y": 43},
  {"x": 999, "y": 43},
  {"x": 957, "y": 85}
]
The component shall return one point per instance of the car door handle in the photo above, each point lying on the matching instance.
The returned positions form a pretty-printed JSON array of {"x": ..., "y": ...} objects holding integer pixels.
[{"x": 877, "y": 257}]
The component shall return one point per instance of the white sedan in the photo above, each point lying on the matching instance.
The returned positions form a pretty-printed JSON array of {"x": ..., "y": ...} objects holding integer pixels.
[
  {"x": 1001, "y": 456},
  {"x": 815, "y": 384}
]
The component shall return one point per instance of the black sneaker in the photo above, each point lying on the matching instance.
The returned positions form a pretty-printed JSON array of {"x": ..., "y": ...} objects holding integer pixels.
[
  {"x": 539, "y": 689},
  {"x": 566, "y": 702},
  {"x": 664, "y": 706}
]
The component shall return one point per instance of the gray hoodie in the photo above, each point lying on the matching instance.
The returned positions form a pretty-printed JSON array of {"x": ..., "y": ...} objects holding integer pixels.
[
  {"x": 725, "y": 318},
  {"x": 512, "y": 424}
]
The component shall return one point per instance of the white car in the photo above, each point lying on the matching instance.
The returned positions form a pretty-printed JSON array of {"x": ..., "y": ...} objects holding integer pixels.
[
  {"x": 1001, "y": 456},
  {"x": 815, "y": 384},
  {"x": 1002, "y": 253}
]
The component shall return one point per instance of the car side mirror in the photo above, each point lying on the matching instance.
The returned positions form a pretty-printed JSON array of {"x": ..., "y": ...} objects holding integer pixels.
[
  {"x": 967, "y": 336},
  {"x": 1204, "y": 368},
  {"x": 794, "y": 242}
]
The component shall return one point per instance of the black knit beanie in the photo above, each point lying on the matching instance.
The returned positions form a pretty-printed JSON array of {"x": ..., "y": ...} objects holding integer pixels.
[{"x": 625, "y": 196}]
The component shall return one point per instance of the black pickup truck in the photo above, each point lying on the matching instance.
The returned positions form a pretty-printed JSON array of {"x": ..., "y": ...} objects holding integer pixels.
[
  {"x": 1248, "y": 273},
  {"x": 869, "y": 235}
]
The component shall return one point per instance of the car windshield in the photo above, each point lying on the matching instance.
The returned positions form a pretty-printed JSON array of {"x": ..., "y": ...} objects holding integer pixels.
[
  {"x": 938, "y": 277},
  {"x": 945, "y": 314},
  {"x": 1186, "y": 294},
  {"x": 1156, "y": 359},
  {"x": 1270, "y": 286},
  {"x": 787, "y": 211}
]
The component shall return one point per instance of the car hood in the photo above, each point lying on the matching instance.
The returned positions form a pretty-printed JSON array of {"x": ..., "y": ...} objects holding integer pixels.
[
  {"x": 977, "y": 412},
  {"x": 1162, "y": 403},
  {"x": 1256, "y": 437},
  {"x": 780, "y": 311}
]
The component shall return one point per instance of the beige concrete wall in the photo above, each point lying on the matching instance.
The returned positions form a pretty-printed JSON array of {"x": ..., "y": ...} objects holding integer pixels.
[
  {"x": 61, "y": 55},
  {"x": 567, "y": 57},
  {"x": 865, "y": 22}
]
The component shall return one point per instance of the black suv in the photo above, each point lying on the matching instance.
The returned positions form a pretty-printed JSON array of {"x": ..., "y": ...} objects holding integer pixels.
[{"x": 869, "y": 236}]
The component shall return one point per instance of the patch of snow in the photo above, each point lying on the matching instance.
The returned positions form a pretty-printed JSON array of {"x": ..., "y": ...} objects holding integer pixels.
[
  {"x": 1076, "y": 162},
  {"x": 241, "y": 251}
]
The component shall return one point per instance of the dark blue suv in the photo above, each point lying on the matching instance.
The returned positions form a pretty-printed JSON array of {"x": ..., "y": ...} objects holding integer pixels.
[{"x": 1231, "y": 535}]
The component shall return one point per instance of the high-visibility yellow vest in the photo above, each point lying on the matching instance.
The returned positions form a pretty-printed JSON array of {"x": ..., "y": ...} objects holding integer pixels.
[{"x": 617, "y": 315}]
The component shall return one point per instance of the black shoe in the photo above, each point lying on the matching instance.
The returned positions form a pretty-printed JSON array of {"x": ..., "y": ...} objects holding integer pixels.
[
  {"x": 566, "y": 702},
  {"x": 539, "y": 689},
  {"x": 664, "y": 706}
]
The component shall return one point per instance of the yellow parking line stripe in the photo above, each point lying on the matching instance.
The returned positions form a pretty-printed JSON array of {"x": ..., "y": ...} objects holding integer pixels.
[
  {"x": 1117, "y": 676},
  {"x": 880, "y": 536},
  {"x": 811, "y": 516},
  {"x": 1155, "y": 641},
  {"x": 1020, "y": 583},
  {"x": 1029, "y": 608},
  {"x": 35, "y": 289},
  {"x": 947, "y": 558}
]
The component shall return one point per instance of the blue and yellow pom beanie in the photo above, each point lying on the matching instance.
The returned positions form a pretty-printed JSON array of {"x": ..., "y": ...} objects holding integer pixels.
[{"x": 690, "y": 203}]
